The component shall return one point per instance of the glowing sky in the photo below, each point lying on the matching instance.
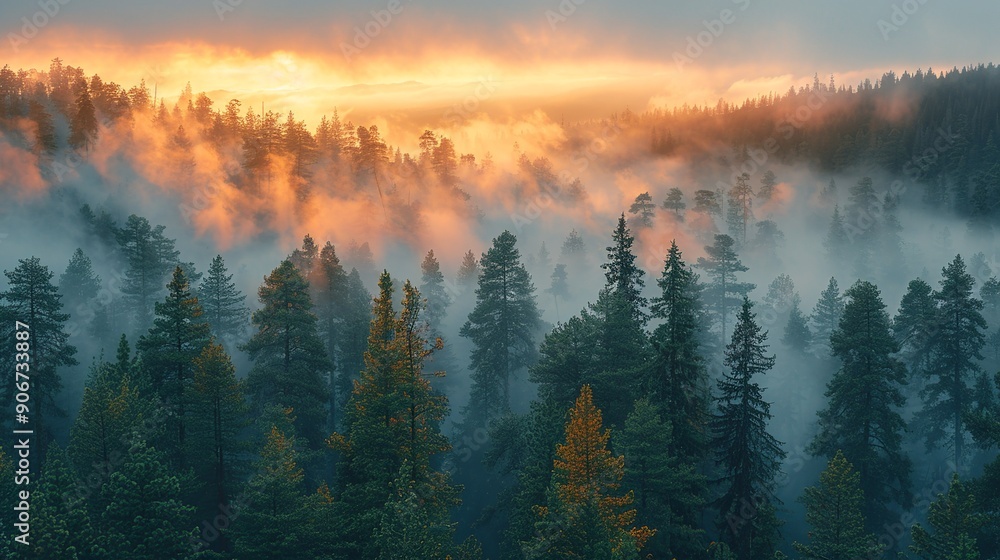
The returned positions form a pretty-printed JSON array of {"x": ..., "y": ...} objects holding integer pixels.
[{"x": 431, "y": 59}]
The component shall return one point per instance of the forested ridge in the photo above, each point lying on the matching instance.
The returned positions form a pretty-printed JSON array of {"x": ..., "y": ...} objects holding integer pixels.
[{"x": 603, "y": 397}]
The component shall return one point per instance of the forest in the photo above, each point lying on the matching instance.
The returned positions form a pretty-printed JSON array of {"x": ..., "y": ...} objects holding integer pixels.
[{"x": 729, "y": 332}]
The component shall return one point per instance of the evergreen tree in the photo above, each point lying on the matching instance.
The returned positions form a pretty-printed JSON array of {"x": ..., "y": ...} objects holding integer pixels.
[
  {"x": 675, "y": 201},
  {"x": 145, "y": 518},
  {"x": 740, "y": 209},
  {"x": 289, "y": 360},
  {"x": 749, "y": 457},
  {"x": 585, "y": 515},
  {"x": 83, "y": 125},
  {"x": 32, "y": 300},
  {"x": 954, "y": 358},
  {"x": 955, "y": 519},
  {"x": 502, "y": 328},
  {"x": 79, "y": 284},
  {"x": 837, "y": 242},
  {"x": 224, "y": 306},
  {"x": 797, "y": 335},
  {"x": 392, "y": 422},
  {"x": 573, "y": 248},
  {"x": 305, "y": 258},
  {"x": 468, "y": 273},
  {"x": 61, "y": 528},
  {"x": 45, "y": 131},
  {"x": 669, "y": 493},
  {"x": 724, "y": 291},
  {"x": 622, "y": 275},
  {"x": 826, "y": 316},
  {"x": 353, "y": 337},
  {"x": 168, "y": 351},
  {"x": 643, "y": 210},
  {"x": 707, "y": 202},
  {"x": 914, "y": 325},
  {"x": 217, "y": 412},
  {"x": 834, "y": 513},
  {"x": 149, "y": 258},
  {"x": 329, "y": 284},
  {"x": 862, "y": 417},
  {"x": 559, "y": 288},
  {"x": 433, "y": 288},
  {"x": 767, "y": 183},
  {"x": 679, "y": 382}
]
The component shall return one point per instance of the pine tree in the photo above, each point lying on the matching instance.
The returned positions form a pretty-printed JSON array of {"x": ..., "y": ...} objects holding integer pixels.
[
  {"x": 61, "y": 528},
  {"x": 956, "y": 519},
  {"x": 642, "y": 210},
  {"x": 622, "y": 275},
  {"x": 559, "y": 288},
  {"x": 724, "y": 291},
  {"x": 149, "y": 258},
  {"x": 707, "y": 202},
  {"x": 767, "y": 183},
  {"x": 168, "y": 351},
  {"x": 573, "y": 248},
  {"x": 353, "y": 337},
  {"x": 669, "y": 492},
  {"x": 217, "y": 416},
  {"x": 32, "y": 300},
  {"x": 412, "y": 527},
  {"x": 433, "y": 288},
  {"x": 837, "y": 242},
  {"x": 392, "y": 421},
  {"x": 102, "y": 431},
  {"x": 468, "y": 273},
  {"x": 834, "y": 512},
  {"x": 329, "y": 284},
  {"x": 79, "y": 284},
  {"x": 83, "y": 125},
  {"x": 502, "y": 328},
  {"x": 45, "y": 131},
  {"x": 826, "y": 316},
  {"x": 749, "y": 457},
  {"x": 954, "y": 358},
  {"x": 274, "y": 520},
  {"x": 675, "y": 201},
  {"x": 679, "y": 382},
  {"x": 305, "y": 258},
  {"x": 224, "y": 306},
  {"x": 797, "y": 335},
  {"x": 289, "y": 360},
  {"x": 145, "y": 518},
  {"x": 586, "y": 516},
  {"x": 914, "y": 325},
  {"x": 862, "y": 418},
  {"x": 740, "y": 211}
]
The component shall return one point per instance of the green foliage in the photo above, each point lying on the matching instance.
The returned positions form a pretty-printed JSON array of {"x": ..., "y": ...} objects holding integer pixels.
[
  {"x": 862, "y": 418},
  {"x": 723, "y": 291},
  {"x": 502, "y": 328},
  {"x": 224, "y": 305},
  {"x": 290, "y": 362},
  {"x": 149, "y": 257},
  {"x": 60, "y": 525},
  {"x": 834, "y": 513},
  {"x": 955, "y": 519}
]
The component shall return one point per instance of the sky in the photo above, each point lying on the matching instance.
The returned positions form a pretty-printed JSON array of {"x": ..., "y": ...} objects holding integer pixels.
[{"x": 572, "y": 59}]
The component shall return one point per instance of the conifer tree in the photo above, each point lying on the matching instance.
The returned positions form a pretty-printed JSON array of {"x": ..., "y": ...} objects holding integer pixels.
[
  {"x": 354, "y": 336},
  {"x": 34, "y": 301},
  {"x": 79, "y": 284},
  {"x": 723, "y": 291},
  {"x": 826, "y": 316},
  {"x": 45, "y": 131},
  {"x": 502, "y": 328},
  {"x": 767, "y": 183},
  {"x": 675, "y": 201},
  {"x": 740, "y": 211},
  {"x": 83, "y": 125},
  {"x": 749, "y": 457},
  {"x": 289, "y": 360},
  {"x": 669, "y": 492},
  {"x": 433, "y": 288},
  {"x": 217, "y": 415},
  {"x": 168, "y": 351},
  {"x": 61, "y": 528},
  {"x": 797, "y": 335},
  {"x": 862, "y": 418},
  {"x": 586, "y": 514},
  {"x": 224, "y": 306},
  {"x": 329, "y": 284},
  {"x": 914, "y": 325},
  {"x": 468, "y": 273},
  {"x": 834, "y": 513},
  {"x": 149, "y": 258},
  {"x": 145, "y": 518},
  {"x": 304, "y": 258},
  {"x": 622, "y": 275},
  {"x": 956, "y": 519},
  {"x": 559, "y": 288},
  {"x": 954, "y": 358},
  {"x": 837, "y": 242},
  {"x": 679, "y": 382},
  {"x": 642, "y": 210}
]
